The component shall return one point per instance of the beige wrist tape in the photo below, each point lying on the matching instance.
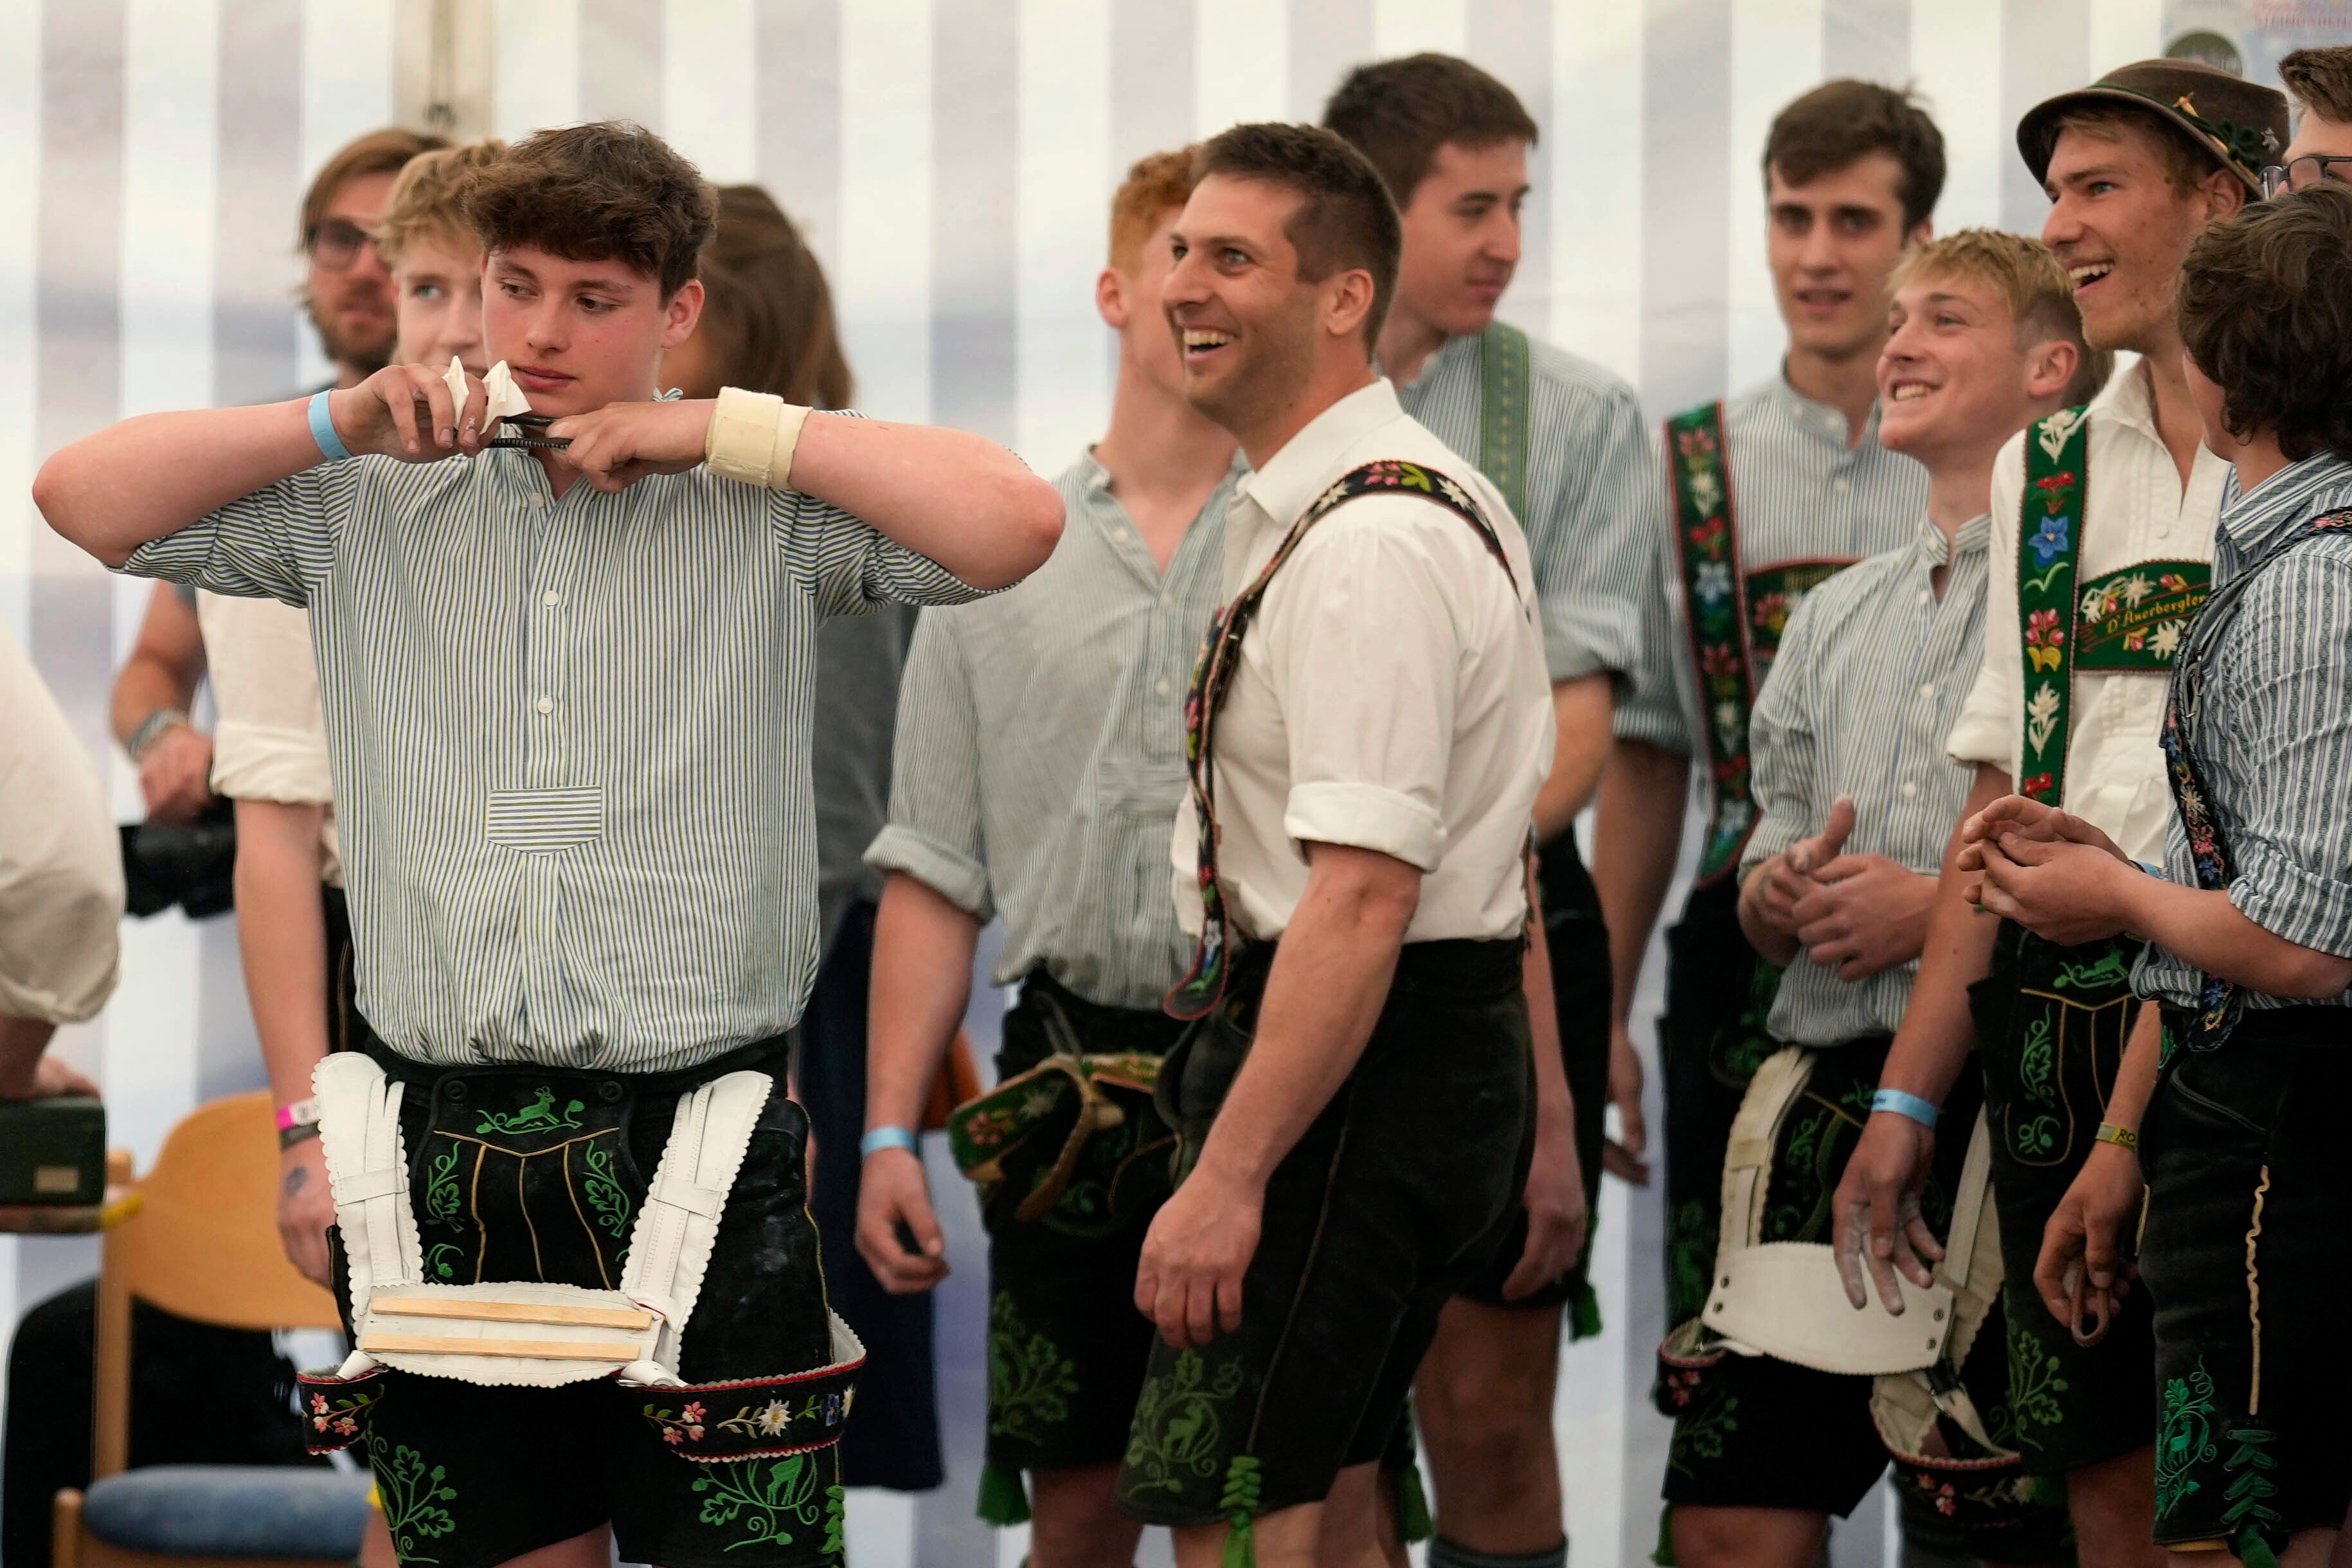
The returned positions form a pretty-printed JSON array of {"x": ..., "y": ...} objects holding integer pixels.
[{"x": 752, "y": 438}]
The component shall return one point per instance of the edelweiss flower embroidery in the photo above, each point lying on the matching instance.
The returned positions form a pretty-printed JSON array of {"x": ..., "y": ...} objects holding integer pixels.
[
  {"x": 773, "y": 1417},
  {"x": 1707, "y": 493},
  {"x": 2041, "y": 715},
  {"x": 1714, "y": 584},
  {"x": 2135, "y": 590},
  {"x": 2055, "y": 431},
  {"x": 2095, "y": 604},
  {"x": 2165, "y": 641}
]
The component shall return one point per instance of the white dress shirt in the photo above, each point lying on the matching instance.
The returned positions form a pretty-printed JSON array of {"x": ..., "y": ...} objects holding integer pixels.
[
  {"x": 270, "y": 740},
  {"x": 2137, "y": 511},
  {"x": 1391, "y": 694},
  {"x": 60, "y": 862}
]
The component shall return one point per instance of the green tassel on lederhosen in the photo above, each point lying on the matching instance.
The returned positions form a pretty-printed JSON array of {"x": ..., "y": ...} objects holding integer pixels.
[
  {"x": 1003, "y": 1499},
  {"x": 1414, "y": 1522},
  {"x": 2253, "y": 1551},
  {"x": 1663, "y": 1554},
  {"x": 1240, "y": 1506},
  {"x": 1584, "y": 1314}
]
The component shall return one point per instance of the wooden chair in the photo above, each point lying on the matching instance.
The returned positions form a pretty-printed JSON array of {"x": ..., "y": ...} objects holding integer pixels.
[{"x": 199, "y": 1238}]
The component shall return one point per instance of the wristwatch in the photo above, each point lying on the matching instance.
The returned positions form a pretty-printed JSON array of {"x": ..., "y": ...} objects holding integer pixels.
[{"x": 151, "y": 730}]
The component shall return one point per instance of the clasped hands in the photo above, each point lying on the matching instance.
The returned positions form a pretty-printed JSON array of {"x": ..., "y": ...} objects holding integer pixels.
[
  {"x": 407, "y": 412},
  {"x": 2048, "y": 870},
  {"x": 1852, "y": 914}
]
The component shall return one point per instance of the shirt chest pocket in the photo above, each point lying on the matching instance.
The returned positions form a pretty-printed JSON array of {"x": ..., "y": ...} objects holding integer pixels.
[{"x": 541, "y": 821}]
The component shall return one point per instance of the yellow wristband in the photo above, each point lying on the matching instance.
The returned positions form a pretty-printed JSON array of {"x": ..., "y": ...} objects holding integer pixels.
[
  {"x": 2121, "y": 1138},
  {"x": 753, "y": 437}
]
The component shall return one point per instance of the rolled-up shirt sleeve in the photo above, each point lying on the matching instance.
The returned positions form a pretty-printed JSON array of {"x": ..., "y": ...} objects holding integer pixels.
[
  {"x": 935, "y": 832},
  {"x": 270, "y": 743},
  {"x": 1654, "y": 707},
  {"x": 1781, "y": 740},
  {"x": 272, "y": 544},
  {"x": 1992, "y": 720},
  {"x": 1369, "y": 683},
  {"x": 1593, "y": 553},
  {"x": 60, "y": 864},
  {"x": 2289, "y": 835}
]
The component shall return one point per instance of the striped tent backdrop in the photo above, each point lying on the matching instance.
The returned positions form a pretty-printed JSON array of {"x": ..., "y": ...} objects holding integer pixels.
[{"x": 952, "y": 159}]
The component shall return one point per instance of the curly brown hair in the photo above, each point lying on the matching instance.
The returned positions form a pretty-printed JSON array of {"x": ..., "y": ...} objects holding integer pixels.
[
  {"x": 606, "y": 191},
  {"x": 2266, "y": 314}
]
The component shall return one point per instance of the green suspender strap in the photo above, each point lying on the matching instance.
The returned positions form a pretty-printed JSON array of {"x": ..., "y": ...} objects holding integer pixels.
[
  {"x": 1503, "y": 416},
  {"x": 1709, "y": 546},
  {"x": 2131, "y": 619}
]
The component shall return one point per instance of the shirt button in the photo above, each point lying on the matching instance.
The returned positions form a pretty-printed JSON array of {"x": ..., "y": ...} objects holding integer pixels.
[
  {"x": 1928, "y": 690},
  {"x": 1925, "y": 594},
  {"x": 551, "y": 599},
  {"x": 546, "y": 705},
  {"x": 1843, "y": 487},
  {"x": 1161, "y": 688},
  {"x": 1909, "y": 789},
  {"x": 539, "y": 503}
]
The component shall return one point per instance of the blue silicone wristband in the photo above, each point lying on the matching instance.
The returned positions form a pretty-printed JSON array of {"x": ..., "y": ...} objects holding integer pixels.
[
  {"x": 322, "y": 431},
  {"x": 1923, "y": 1112},
  {"x": 887, "y": 1138}
]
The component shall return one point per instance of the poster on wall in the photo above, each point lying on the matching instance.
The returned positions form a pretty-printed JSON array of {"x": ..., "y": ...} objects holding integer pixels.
[{"x": 2247, "y": 36}]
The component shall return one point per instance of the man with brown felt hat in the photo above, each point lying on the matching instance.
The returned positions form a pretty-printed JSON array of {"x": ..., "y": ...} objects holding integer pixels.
[{"x": 2103, "y": 521}]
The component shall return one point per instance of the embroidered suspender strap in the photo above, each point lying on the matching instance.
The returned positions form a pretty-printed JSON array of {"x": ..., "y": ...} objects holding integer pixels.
[
  {"x": 1212, "y": 677},
  {"x": 2049, "y": 537},
  {"x": 1714, "y": 596},
  {"x": 1505, "y": 414},
  {"x": 2220, "y": 1002}
]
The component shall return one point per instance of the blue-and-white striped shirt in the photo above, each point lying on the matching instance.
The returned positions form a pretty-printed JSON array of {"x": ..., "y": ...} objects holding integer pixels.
[
  {"x": 1040, "y": 759},
  {"x": 2272, "y": 730},
  {"x": 570, "y": 740},
  {"x": 1798, "y": 493},
  {"x": 1872, "y": 670},
  {"x": 1594, "y": 497}
]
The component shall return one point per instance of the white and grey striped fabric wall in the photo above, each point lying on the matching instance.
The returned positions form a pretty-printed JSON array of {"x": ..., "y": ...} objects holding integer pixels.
[{"x": 952, "y": 159}]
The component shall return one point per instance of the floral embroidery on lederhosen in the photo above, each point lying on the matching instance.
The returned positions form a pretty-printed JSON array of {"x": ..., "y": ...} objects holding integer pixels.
[
  {"x": 525, "y": 1175},
  {"x": 2220, "y": 1002},
  {"x": 1213, "y": 679},
  {"x": 1736, "y": 620},
  {"x": 2130, "y": 619}
]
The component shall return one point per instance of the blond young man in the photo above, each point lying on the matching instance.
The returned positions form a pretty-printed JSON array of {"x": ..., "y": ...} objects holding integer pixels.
[
  {"x": 1853, "y": 788},
  {"x": 1037, "y": 778},
  {"x": 271, "y": 746},
  {"x": 2104, "y": 522}
]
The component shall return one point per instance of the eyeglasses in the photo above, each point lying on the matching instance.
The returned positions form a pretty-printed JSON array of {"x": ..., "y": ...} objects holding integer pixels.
[
  {"x": 2304, "y": 172},
  {"x": 336, "y": 244}
]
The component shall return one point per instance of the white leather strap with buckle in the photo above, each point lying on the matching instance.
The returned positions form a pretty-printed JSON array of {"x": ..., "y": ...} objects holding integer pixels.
[{"x": 669, "y": 1249}]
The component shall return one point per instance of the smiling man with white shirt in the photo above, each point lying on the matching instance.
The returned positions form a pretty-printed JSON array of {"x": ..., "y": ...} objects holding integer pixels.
[{"x": 1367, "y": 732}]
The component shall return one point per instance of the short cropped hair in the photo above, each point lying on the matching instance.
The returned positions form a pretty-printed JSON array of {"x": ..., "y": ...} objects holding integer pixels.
[
  {"x": 2320, "y": 82},
  {"x": 606, "y": 191},
  {"x": 2188, "y": 163},
  {"x": 1157, "y": 184},
  {"x": 1841, "y": 122},
  {"x": 428, "y": 199},
  {"x": 385, "y": 152},
  {"x": 2265, "y": 307},
  {"x": 1345, "y": 218},
  {"x": 2027, "y": 276},
  {"x": 766, "y": 308},
  {"x": 1399, "y": 113}
]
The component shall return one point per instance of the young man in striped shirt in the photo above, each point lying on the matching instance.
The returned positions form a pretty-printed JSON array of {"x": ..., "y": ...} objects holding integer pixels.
[
  {"x": 1564, "y": 440},
  {"x": 2103, "y": 529},
  {"x": 1771, "y": 494},
  {"x": 1854, "y": 791},
  {"x": 1038, "y": 775},
  {"x": 567, "y": 700}
]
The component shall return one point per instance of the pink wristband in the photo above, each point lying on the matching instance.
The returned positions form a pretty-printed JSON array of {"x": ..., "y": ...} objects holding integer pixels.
[{"x": 302, "y": 1113}]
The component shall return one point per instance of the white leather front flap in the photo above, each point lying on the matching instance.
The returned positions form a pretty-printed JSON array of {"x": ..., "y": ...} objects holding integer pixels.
[{"x": 1785, "y": 1299}]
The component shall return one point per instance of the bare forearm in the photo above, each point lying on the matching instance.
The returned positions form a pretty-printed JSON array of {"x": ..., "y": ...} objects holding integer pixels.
[
  {"x": 1555, "y": 1104},
  {"x": 963, "y": 501},
  {"x": 1329, "y": 980},
  {"x": 111, "y": 492},
  {"x": 1932, "y": 1045},
  {"x": 281, "y": 937},
  {"x": 1636, "y": 835},
  {"x": 144, "y": 683},
  {"x": 2209, "y": 930},
  {"x": 2135, "y": 1074},
  {"x": 1581, "y": 711},
  {"x": 923, "y": 947},
  {"x": 22, "y": 1040}
]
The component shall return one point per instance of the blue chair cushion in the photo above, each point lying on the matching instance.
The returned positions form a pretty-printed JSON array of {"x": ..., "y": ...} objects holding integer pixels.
[{"x": 230, "y": 1510}]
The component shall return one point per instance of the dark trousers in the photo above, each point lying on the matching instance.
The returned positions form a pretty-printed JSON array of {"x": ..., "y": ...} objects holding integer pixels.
[{"x": 894, "y": 1442}]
